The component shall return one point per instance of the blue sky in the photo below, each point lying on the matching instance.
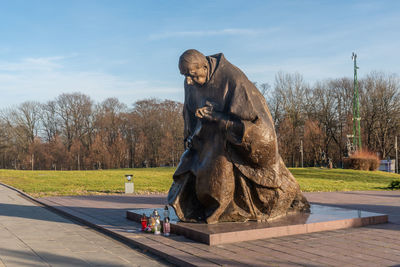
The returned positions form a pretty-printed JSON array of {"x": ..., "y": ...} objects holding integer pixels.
[{"x": 129, "y": 49}]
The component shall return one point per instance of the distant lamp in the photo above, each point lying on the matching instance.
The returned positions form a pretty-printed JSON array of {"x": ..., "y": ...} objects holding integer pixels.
[
  {"x": 129, "y": 186},
  {"x": 354, "y": 56}
]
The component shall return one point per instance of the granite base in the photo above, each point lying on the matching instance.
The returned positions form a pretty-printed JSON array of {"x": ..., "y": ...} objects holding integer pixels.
[{"x": 321, "y": 218}]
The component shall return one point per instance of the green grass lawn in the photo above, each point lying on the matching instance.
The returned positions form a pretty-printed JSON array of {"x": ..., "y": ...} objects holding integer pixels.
[
  {"x": 324, "y": 180},
  {"x": 147, "y": 180},
  {"x": 55, "y": 183}
]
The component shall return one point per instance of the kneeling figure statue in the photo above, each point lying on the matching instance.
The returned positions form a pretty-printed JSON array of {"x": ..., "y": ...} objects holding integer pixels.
[{"x": 231, "y": 169}]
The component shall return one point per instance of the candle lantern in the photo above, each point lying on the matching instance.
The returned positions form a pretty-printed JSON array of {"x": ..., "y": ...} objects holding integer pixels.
[
  {"x": 166, "y": 223},
  {"x": 157, "y": 223},
  {"x": 166, "y": 227},
  {"x": 166, "y": 212},
  {"x": 152, "y": 221},
  {"x": 144, "y": 222}
]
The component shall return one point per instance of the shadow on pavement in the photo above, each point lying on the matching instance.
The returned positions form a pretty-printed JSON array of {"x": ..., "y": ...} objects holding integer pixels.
[
  {"x": 29, "y": 212},
  {"x": 137, "y": 199},
  {"x": 392, "y": 193},
  {"x": 46, "y": 214},
  {"x": 21, "y": 258}
]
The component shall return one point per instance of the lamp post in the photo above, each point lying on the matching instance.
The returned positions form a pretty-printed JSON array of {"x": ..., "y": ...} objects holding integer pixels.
[
  {"x": 356, "y": 109},
  {"x": 129, "y": 186},
  {"x": 301, "y": 153},
  {"x": 397, "y": 156}
]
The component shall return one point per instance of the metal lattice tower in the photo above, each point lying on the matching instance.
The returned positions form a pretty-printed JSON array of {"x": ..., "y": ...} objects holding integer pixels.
[{"x": 356, "y": 109}]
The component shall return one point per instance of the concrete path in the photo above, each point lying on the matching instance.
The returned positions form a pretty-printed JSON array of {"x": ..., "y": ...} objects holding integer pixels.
[
  {"x": 31, "y": 235},
  {"x": 377, "y": 245}
]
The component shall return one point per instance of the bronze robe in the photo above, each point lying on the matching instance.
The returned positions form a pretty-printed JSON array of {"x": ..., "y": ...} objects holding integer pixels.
[{"x": 232, "y": 171}]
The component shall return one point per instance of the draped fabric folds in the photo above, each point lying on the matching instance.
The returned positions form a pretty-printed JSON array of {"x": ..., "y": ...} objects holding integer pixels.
[{"x": 232, "y": 171}]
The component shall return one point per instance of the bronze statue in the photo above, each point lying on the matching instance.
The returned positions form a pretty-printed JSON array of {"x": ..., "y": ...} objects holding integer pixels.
[{"x": 231, "y": 169}]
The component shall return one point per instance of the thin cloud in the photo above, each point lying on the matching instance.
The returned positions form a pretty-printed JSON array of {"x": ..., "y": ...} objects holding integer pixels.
[
  {"x": 311, "y": 68},
  {"x": 32, "y": 64},
  {"x": 43, "y": 79},
  {"x": 231, "y": 31}
]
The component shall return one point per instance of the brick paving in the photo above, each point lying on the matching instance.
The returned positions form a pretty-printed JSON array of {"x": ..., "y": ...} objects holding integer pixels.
[{"x": 377, "y": 245}]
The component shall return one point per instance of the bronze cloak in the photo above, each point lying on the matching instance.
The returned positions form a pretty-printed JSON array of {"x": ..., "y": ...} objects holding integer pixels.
[{"x": 232, "y": 171}]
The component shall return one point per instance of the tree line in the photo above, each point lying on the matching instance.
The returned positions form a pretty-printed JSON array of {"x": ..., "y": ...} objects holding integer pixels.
[
  {"x": 318, "y": 119},
  {"x": 72, "y": 132}
]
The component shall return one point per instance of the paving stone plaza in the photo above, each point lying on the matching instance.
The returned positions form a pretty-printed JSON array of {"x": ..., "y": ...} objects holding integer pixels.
[{"x": 33, "y": 235}]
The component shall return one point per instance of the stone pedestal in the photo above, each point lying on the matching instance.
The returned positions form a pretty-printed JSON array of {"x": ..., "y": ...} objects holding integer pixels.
[
  {"x": 321, "y": 218},
  {"x": 129, "y": 188}
]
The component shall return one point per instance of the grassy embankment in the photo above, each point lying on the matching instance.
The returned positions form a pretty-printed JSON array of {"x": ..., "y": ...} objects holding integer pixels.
[{"x": 50, "y": 183}]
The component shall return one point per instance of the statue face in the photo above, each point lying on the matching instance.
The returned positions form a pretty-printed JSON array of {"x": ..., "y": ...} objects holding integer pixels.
[{"x": 196, "y": 74}]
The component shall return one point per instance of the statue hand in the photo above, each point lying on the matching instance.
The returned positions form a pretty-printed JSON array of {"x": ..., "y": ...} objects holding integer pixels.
[
  {"x": 188, "y": 142},
  {"x": 204, "y": 113}
]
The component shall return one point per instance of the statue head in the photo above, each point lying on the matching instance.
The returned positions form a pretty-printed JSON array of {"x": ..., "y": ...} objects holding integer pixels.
[{"x": 194, "y": 66}]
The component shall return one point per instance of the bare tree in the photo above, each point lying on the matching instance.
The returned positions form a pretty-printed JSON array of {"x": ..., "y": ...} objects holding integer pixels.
[
  {"x": 50, "y": 120},
  {"x": 291, "y": 90},
  {"x": 380, "y": 109},
  {"x": 75, "y": 113},
  {"x": 110, "y": 147},
  {"x": 24, "y": 122}
]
